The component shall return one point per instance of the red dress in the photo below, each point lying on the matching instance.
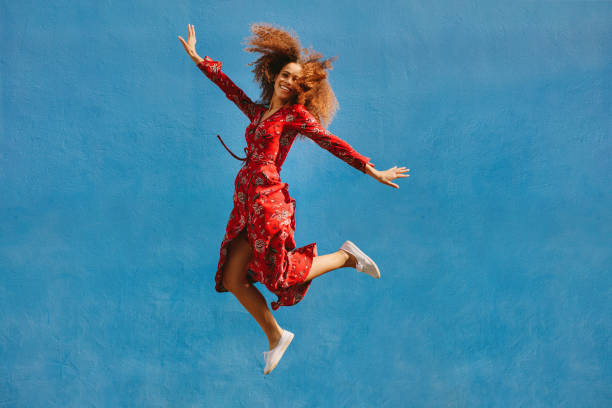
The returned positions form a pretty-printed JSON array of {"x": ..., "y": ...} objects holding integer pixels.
[{"x": 262, "y": 202}]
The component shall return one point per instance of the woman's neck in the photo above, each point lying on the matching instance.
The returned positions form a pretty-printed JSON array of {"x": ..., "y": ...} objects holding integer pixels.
[{"x": 277, "y": 103}]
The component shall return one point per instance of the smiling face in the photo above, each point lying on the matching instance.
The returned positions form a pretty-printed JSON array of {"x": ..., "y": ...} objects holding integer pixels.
[{"x": 285, "y": 84}]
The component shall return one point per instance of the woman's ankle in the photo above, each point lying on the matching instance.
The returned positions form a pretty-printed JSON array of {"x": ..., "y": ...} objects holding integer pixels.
[
  {"x": 351, "y": 261},
  {"x": 274, "y": 338}
]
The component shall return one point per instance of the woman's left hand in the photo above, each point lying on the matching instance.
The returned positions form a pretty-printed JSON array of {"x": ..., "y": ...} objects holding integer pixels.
[{"x": 385, "y": 176}]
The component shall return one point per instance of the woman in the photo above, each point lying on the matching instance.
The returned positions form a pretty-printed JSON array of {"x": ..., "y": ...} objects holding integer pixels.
[{"x": 258, "y": 243}]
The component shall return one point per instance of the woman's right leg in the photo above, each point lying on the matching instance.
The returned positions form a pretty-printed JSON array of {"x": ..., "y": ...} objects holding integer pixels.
[
  {"x": 235, "y": 280},
  {"x": 330, "y": 262}
]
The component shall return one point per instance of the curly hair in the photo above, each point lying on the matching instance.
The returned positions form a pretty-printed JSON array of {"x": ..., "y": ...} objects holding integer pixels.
[{"x": 278, "y": 47}]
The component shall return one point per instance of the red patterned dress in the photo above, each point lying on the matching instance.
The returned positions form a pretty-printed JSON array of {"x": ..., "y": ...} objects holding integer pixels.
[{"x": 262, "y": 202}]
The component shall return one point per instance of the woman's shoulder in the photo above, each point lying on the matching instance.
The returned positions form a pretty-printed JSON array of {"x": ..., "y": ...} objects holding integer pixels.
[
  {"x": 259, "y": 107},
  {"x": 298, "y": 107}
]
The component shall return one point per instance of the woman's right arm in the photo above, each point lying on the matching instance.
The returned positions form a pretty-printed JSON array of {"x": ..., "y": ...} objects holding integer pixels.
[{"x": 212, "y": 69}]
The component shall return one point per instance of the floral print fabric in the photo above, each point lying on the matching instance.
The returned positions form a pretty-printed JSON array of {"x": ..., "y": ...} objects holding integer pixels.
[{"x": 262, "y": 203}]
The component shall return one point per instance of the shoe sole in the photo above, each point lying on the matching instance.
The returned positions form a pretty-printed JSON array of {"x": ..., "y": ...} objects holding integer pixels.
[
  {"x": 352, "y": 247},
  {"x": 281, "y": 354}
]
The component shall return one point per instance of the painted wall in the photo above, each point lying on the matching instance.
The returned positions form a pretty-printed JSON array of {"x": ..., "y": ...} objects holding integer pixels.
[{"x": 495, "y": 253}]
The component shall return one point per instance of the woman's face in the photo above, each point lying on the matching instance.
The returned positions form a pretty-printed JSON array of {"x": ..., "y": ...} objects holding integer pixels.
[{"x": 285, "y": 84}]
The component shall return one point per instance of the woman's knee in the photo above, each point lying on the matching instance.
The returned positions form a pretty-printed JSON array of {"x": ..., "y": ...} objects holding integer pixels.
[
  {"x": 233, "y": 279},
  {"x": 235, "y": 268}
]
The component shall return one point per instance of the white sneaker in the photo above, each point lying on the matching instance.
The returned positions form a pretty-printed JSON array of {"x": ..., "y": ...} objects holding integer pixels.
[
  {"x": 364, "y": 263},
  {"x": 273, "y": 356}
]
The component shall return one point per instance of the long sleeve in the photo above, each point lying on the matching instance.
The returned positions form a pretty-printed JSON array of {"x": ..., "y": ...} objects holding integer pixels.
[
  {"x": 305, "y": 123},
  {"x": 212, "y": 69}
]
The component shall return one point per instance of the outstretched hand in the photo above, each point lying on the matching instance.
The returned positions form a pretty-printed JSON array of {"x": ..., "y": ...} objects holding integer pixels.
[
  {"x": 385, "y": 176},
  {"x": 191, "y": 41}
]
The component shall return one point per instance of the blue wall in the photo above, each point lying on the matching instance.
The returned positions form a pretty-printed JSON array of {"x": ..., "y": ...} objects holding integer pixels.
[{"x": 495, "y": 253}]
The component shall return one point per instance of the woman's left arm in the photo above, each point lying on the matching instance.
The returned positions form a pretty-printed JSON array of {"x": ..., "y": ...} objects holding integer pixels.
[{"x": 305, "y": 123}]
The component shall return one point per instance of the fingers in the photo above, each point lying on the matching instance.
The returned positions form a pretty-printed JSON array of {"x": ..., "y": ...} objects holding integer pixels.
[
  {"x": 400, "y": 172},
  {"x": 190, "y": 33},
  {"x": 395, "y": 173},
  {"x": 392, "y": 175},
  {"x": 190, "y": 43},
  {"x": 185, "y": 45}
]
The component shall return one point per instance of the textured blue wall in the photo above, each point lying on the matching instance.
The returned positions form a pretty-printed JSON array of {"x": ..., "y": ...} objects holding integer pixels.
[{"x": 495, "y": 254}]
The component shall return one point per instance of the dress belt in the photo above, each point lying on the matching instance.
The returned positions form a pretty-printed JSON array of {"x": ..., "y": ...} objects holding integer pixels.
[
  {"x": 230, "y": 152},
  {"x": 248, "y": 156}
]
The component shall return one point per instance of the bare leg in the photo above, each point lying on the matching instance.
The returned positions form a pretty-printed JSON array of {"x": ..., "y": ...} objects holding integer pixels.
[
  {"x": 326, "y": 263},
  {"x": 234, "y": 280}
]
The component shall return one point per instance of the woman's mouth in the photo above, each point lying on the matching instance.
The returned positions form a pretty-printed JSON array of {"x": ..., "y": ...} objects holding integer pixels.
[{"x": 284, "y": 88}]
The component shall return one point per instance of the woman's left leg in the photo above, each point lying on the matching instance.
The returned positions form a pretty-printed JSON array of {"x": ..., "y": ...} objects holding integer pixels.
[
  {"x": 234, "y": 279},
  {"x": 327, "y": 263}
]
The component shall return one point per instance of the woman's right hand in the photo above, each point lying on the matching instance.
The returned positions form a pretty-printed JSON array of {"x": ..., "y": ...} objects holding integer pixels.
[{"x": 190, "y": 44}]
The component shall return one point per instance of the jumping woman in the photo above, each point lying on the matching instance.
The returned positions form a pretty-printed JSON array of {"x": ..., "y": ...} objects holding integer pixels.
[{"x": 258, "y": 245}]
